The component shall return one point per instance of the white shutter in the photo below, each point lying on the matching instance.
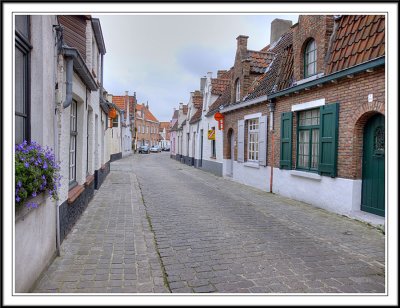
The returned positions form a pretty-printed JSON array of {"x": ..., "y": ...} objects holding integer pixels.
[
  {"x": 240, "y": 150},
  {"x": 262, "y": 141}
]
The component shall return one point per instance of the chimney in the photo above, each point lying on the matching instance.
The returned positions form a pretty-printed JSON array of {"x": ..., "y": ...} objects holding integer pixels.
[
  {"x": 147, "y": 105},
  {"x": 220, "y": 73},
  {"x": 202, "y": 84},
  {"x": 242, "y": 41},
  {"x": 209, "y": 75},
  {"x": 278, "y": 28},
  {"x": 180, "y": 106},
  {"x": 126, "y": 100}
]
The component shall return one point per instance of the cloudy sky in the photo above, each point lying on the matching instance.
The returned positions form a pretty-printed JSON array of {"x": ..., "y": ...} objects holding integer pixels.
[{"x": 163, "y": 57}]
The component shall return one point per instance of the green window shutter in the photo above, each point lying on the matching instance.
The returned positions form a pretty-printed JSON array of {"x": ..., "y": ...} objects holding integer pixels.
[
  {"x": 328, "y": 139},
  {"x": 286, "y": 140}
]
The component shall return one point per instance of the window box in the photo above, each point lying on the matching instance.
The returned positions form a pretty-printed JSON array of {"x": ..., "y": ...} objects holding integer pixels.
[{"x": 24, "y": 210}]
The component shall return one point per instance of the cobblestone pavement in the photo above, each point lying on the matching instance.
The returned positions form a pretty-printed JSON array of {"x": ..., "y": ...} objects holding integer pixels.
[
  {"x": 216, "y": 235},
  {"x": 168, "y": 227},
  {"x": 111, "y": 247}
]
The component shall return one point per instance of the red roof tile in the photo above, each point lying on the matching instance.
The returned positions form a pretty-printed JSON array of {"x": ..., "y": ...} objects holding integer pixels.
[
  {"x": 359, "y": 38},
  {"x": 147, "y": 114},
  {"x": 120, "y": 102}
]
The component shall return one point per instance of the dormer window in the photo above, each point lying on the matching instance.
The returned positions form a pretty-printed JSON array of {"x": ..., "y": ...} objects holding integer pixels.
[
  {"x": 310, "y": 59},
  {"x": 237, "y": 87}
]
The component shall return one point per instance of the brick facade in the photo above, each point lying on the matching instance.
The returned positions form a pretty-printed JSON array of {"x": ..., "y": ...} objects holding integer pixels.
[
  {"x": 354, "y": 110},
  {"x": 315, "y": 27}
]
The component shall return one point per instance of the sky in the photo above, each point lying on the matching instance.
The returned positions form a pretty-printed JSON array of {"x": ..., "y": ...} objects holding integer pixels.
[{"x": 163, "y": 57}]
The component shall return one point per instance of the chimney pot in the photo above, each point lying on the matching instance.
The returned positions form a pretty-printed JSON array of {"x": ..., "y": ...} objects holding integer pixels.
[{"x": 242, "y": 41}]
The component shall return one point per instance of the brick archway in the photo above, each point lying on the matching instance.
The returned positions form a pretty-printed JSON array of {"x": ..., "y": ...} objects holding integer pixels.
[{"x": 360, "y": 118}]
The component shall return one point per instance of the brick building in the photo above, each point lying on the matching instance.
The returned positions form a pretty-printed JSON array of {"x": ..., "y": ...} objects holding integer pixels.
[
  {"x": 146, "y": 126},
  {"x": 312, "y": 126}
]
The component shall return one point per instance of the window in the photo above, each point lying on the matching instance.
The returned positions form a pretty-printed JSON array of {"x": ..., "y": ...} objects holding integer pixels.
[
  {"x": 72, "y": 143},
  {"x": 237, "y": 87},
  {"x": 310, "y": 59},
  {"x": 143, "y": 129},
  {"x": 308, "y": 139},
  {"x": 22, "y": 80},
  {"x": 147, "y": 129},
  {"x": 115, "y": 122},
  {"x": 252, "y": 145},
  {"x": 317, "y": 138}
]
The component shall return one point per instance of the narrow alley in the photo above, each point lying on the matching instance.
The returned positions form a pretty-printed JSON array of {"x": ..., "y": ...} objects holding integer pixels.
[{"x": 158, "y": 226}]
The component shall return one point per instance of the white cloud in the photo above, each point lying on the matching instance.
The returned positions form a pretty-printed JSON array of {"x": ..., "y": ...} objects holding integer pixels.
[{"x": 163, "y": 57}]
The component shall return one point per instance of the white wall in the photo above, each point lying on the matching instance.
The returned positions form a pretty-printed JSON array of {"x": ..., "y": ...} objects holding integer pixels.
[
  {"x": 334, "y": 194},
  {"x": 255, "y": 177},
  {"x": 35, "y": 233}
]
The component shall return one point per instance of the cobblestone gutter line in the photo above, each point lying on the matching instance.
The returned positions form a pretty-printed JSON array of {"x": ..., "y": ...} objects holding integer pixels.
[{"x": 165, "y": 275}]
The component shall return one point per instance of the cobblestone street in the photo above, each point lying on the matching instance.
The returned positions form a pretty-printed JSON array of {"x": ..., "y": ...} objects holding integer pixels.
[{"x": 167, "y": 227}]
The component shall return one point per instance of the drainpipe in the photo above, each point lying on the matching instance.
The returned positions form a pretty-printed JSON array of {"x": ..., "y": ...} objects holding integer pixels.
[
  {"x": 271, "y": 107},
  {"x": 69, "y": 74},
  {"x": 57, "y": 110}
]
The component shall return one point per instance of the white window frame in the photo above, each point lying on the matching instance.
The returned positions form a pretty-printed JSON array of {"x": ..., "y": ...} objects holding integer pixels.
[
  {"x": 237, "y": 90},
  {"x": 73, "y": 143},
  {"x": 253, "y": 131}
]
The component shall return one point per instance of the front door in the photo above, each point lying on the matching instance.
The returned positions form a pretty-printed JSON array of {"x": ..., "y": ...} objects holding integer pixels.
[{"x": 373, "y": 169}]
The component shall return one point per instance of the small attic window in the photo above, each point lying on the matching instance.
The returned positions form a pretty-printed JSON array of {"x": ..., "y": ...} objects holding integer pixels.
[
  {"x": 310, "y": 59},
  {"x": 237, "y": 90}
]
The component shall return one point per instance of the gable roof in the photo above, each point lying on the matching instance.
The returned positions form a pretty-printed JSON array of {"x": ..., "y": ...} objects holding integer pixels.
[
  {"x": 259, "y": 60},
  {"x": 148, "y": 116},
  {"x": 120, "y": 102},
  {"x": 164, "y": 125},
  {"x": 279, "y": 74},
  {"x": 223, "y": 100},
  {"x": 358, "y": 38},
  {"x": 219, "y": 84}
]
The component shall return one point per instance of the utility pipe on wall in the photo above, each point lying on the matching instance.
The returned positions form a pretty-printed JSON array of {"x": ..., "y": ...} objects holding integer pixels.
[
  {"x": 271, "y": 107},
  {"x": 69, "y": 74}
]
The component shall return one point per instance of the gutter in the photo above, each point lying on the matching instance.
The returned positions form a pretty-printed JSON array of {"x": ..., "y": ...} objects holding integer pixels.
[
  {"x": 80, "y": 67},
  {"x": 334, "y": 76}
]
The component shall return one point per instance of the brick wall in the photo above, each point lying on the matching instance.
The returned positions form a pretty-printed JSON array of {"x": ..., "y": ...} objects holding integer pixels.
[
  {"x": 354, "y": 111},
  {"x": 320, "y": 29}
]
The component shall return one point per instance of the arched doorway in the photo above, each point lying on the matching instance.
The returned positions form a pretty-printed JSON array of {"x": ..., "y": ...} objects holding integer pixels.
[{"x": 373, "y": 166}]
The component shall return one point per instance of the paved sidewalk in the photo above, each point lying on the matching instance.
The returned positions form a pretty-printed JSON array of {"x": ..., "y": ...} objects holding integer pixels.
[{"x": 111, "y": 248}]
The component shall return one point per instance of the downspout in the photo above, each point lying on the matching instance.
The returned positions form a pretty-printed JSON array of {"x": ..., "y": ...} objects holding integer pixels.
[
  {"x": 69, "y": 74},
  {"x": 271, "y": 107}
]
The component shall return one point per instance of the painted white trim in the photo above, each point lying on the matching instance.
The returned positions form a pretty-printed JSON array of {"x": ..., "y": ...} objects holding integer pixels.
[
  {"x": 252, "y": 164},
  {"x": 253, "y": 116},
  {"x": 309, "y": 105},
  {"x": 311, "y": 78},
  {"x": 304, "y": 174}
]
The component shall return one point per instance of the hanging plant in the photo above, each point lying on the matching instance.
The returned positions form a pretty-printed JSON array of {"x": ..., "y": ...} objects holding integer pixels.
[{"x": 36, "y": 171}]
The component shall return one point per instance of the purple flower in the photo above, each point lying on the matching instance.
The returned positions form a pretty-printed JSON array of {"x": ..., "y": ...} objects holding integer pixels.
[
  {"x": 45, "y": 165},
  {"x": 26, "y": 165},
  {"x": 17, "y": 198},
  {"x": 19, "y": 184},
  {"x": 32, "y": 205},
  {"x": 34, "y": 194}
]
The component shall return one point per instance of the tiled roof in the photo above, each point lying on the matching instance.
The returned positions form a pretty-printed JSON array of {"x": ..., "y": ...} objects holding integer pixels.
[
  {"x": 197, "y": 99},
  {"x": 223, "y": 100},
  {"x": 175, "y": 126},
  {"x": 219, "y": 84},
  {"x": 147, "y": 114},
  {"x": 164, "y": 125},
  {"x": 196, "y": 117},
  {"x": 359, "y": 38},
  {"x": 279, "y": 72},
  {"x": 185, "y": 109},
  {"x": 120, "y": 102},
  {"x": 259, "y": 60}
]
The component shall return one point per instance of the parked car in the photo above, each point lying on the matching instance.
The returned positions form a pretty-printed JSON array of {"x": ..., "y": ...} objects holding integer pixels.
[
  {"x": 155, "y": 148},
  {"x": 166, "y": 148},
  {"x": 144, "y": 149}
]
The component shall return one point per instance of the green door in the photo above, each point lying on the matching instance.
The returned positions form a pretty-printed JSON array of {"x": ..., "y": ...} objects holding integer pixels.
[{"x": 373, "y": 169}]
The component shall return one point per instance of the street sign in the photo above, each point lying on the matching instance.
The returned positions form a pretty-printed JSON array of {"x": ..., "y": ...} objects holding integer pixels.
[{"x": 211, "y": 134}]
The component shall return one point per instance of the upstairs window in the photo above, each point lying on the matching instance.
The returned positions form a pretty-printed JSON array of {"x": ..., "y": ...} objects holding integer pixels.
[
  {"x": 22, "y": 80},
  {"x": 115, "y": 122},
  {"x": 237, "y": 87},
  {"x": 310, "y": 59}
]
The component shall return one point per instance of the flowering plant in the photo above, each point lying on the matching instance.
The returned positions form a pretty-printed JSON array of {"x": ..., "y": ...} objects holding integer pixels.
[{"x": 36, "y": 171}]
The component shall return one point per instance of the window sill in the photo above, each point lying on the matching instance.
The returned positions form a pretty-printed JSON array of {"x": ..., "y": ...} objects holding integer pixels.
[
  {"x": 213, "y": 157},
  {"x": 74, "y": 193},
  {"x": 305, "y": 174},
  {"x": 89, "y": 180},
  {"x": 252, "y": 165}
]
